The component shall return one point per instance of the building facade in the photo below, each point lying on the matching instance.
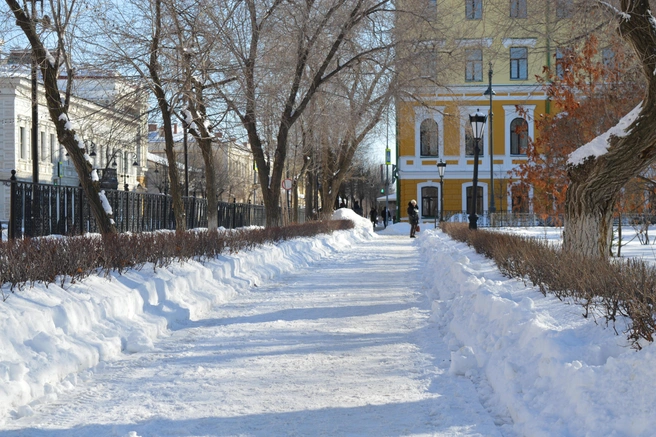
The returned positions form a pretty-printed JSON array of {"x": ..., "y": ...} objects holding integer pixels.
[
  {"x": 113, "y": 135},
  {"x": 452, "y": 57},
  {"x": 235, "y": 176}
]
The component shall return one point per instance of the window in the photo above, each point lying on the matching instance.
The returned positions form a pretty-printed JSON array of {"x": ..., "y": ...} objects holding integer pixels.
[
  {"x": 23, "y": 143},
  {"x": 563, "y": 61},
  {"x": 474, "y": 9},
  {"x": 518, "y": 63},
  {"x": 563, "y": 8},
  {"x": 429, "y": 201},
  {"x": 560, "y": 69},
  {"x": 53, "y": 154},
  {"x": 474, "y": 66},
  {"x": 479, "y": 200},
  {"x": 44, "y": 148},
  {"x": 518, "y": 136},
  {"x": 428, "y": 138},
  {"x": 519, "y": 200},
  {"x": 608, "y": 58},
  {"x": 470, "y": 142},
  {"x": 518, "y": 9},
  {"x": 428, "y": 63},
  {"x": 431, "y": 9}
]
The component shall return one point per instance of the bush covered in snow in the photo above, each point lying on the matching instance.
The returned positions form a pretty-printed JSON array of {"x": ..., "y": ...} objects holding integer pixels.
[
  {"x": 46, "y": 260},
  {"x": 604, "y": 288}
]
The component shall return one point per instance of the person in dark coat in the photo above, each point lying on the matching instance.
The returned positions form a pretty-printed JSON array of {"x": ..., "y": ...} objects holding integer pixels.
[
  {"x": 385, "y": 214},
  {"x": 373, "y": 216},
  {"x": 413, "y": 217}
]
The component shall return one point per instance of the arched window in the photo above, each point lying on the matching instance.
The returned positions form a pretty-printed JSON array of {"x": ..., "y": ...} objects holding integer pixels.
[
  {"x": 429, "y": 201},
  {"x": 519, "y": 199},
  {"x": 428, "y": 138},
  {"x": 518, "y": 136}
]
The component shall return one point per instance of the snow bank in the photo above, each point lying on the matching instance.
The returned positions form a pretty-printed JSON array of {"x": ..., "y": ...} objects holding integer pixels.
[
  {"x": 51, "y": 335},
  {"x": 554, "y": 372}
]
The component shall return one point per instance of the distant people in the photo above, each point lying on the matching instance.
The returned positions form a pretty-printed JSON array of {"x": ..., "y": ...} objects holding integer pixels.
[
  {"x": 386, "y": 215},
  {"x": 342, "y": 205},
  {"x": 413, "y": 217},
  {"x": 357, "y": 209},
  {"x": 373, "y": 216}
]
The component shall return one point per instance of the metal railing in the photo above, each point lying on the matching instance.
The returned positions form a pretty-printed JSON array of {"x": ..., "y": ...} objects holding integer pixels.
[
  {"x": 44, "y": 209},
  {"x": 501, "y": 219}
]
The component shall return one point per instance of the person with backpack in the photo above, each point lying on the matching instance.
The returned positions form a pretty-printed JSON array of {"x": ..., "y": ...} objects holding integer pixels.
[{"x": 413, "y": 217}]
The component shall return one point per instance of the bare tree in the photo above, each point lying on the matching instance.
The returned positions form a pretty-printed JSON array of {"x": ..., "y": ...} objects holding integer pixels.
[
  {"x": 60, "y": 22},
  {"x": 139, "y": 38},
  {"x": 282, "y": 53}
]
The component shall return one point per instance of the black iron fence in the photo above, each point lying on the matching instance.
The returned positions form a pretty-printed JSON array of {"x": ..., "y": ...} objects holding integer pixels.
[
  {"x": 43, "y": 209},
  {"x": 502, "y": 219}
]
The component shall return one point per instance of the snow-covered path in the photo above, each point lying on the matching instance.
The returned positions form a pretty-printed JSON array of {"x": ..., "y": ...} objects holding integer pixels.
[{"x": 343, "y": 348}]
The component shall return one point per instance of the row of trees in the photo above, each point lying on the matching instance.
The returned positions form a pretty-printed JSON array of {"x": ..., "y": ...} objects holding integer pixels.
[
  {"x": 309, "y": 77},
  {"x": 314, "y": 78}
]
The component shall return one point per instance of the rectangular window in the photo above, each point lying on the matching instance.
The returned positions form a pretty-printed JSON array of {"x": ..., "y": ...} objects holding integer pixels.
[
  {"x": 474, "y": 66},
  {"x": 431, "y": 10},
  {"x": 23, "y": 143},
  {"x": 53, "y": 149},
  {"x": 44, "y": 148},
  {"x": 474, "y": 9},
  {"x": 518, "y": 9},
  {"x": 518, "y": 63},
  {"x": 479, "y": 200},
  {"x": 428, "y": 63},
  {"x": 608, "y": 58},
  {"x": 560, "y": 69},
  {"x": 563, "y": 8}
]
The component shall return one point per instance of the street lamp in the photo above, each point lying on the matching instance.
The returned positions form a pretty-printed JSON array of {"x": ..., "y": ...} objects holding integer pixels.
[
  {"x": 441, "y": 166},
  {"x": 126, "y": 156},
  {"x": 477, "y": 121},
  {"x": 490, "y": 92}
]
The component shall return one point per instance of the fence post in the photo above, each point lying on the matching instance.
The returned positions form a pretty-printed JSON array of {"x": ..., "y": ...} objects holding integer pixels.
[
  {"x": 12, "y": 206},
  {"x": 234, "y": 213},
  {"x": 80, "y": 214}
]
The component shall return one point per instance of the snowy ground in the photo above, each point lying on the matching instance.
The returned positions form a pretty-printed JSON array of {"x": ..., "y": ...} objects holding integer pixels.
[{"x": 353, "y": 334}]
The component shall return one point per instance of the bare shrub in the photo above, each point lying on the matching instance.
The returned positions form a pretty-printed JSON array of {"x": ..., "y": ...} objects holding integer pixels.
[
  {"x": 604, "y": 288},
  {"x": 46, "y": 260}
]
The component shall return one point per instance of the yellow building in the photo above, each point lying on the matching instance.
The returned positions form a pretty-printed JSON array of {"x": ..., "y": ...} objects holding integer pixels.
[{"x": 449, "y": 58}]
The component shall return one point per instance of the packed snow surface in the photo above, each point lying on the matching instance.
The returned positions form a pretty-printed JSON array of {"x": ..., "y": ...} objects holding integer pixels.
[{"x": 349, "y": 334}]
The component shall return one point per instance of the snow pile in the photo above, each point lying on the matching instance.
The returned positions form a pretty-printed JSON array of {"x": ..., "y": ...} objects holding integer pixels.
[
  {"x": 363, "y": 226},
  {"x": 553, "y": 371},
  {"x": 599, "y": 145},
  {"x": 51, "y": 335}
]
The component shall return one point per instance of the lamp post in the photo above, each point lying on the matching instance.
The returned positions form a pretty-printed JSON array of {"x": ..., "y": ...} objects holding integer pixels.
[
  {"x": 126, "y": 156},
  {"x": 477, "y": 121},
  {"x": 388, "y": 161},
  {"x": 441, "y": 166},
  {"x": 491, "y": 93}
]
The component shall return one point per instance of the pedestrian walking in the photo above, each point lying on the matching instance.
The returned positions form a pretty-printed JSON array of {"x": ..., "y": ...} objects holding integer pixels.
[
  {"x": 385, "y": 214},
  {"x": 413, "y": 217},
  {"x": 373, "y": 216}
]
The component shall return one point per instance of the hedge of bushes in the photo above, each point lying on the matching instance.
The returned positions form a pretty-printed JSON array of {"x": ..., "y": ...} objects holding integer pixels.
[
  {"x": 49, "y": 259},
  {"x": 604, "y": 288}
]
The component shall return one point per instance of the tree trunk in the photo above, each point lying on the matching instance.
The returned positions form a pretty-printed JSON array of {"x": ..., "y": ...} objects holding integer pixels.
[
  {"x": 210, "y": 178},
  {"x": 596, "y": 183},
  {"x": 165, "y": 109}
]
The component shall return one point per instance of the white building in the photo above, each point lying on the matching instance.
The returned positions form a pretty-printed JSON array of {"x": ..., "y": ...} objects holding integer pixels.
[
  {"x": 113, "y": 131},
  {"x": 233, "y": 164}
]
